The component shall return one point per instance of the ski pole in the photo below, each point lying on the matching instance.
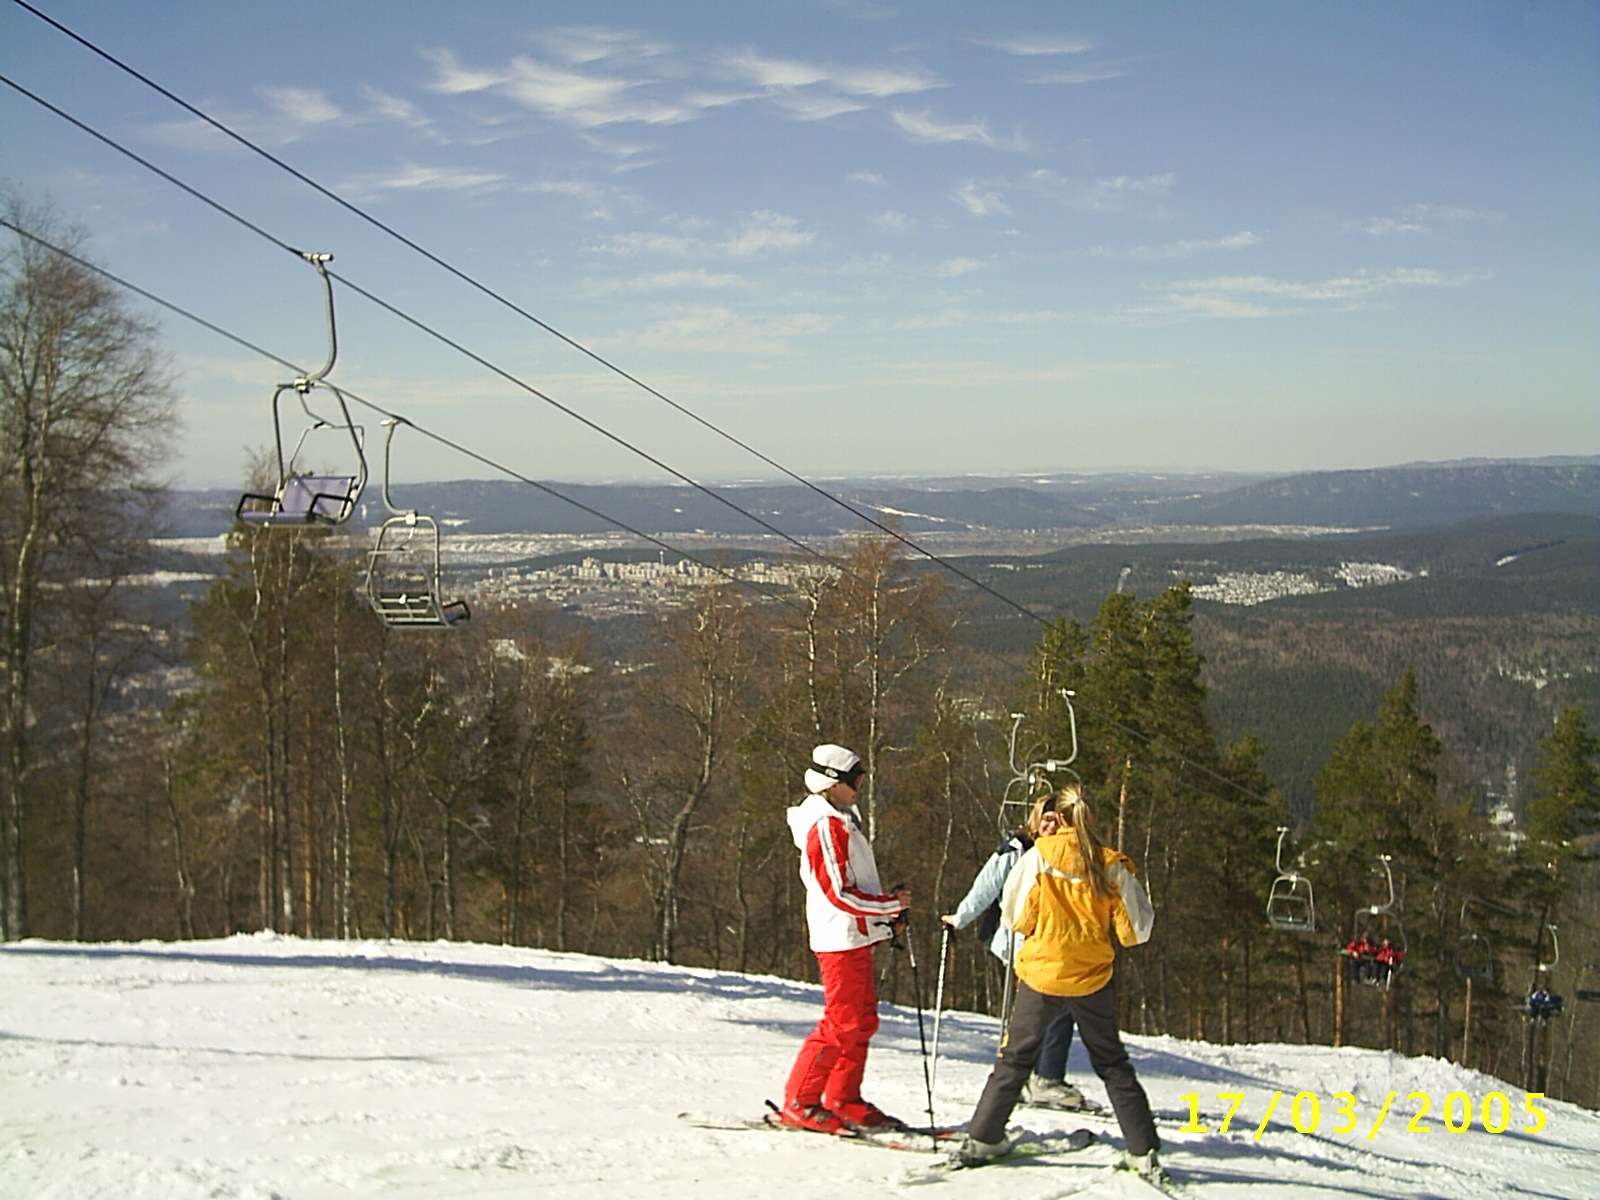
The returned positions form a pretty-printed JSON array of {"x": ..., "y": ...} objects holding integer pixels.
[
  {"x": 922, "y": 1033},
  {"x": 938, "y": 1001},
  {"x": 1008, "y": 993}
]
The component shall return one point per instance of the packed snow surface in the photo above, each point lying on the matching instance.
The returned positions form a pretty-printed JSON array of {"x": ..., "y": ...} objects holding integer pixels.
[{"x": 261, "y": 1067}]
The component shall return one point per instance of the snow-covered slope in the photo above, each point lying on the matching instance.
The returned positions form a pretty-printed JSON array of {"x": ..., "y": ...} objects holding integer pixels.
[{"x": 268, "y": 1067}]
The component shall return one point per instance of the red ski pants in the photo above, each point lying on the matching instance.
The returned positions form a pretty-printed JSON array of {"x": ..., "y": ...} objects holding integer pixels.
[{"x": 834, "y": 1058}]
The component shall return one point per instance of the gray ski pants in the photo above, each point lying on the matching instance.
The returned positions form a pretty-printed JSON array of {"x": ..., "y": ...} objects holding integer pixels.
[{"x": 1096, "y": 1016}]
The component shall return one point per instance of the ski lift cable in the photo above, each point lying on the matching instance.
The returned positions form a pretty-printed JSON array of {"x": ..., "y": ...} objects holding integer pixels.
[
  {"x": 517, "y": 476},
  {"x": 422, "y": 326},
  {"x": 357, "y": 211},
  {"x": 522, "y": 384},
  {"x": 1182, "y": 759},
  {"x": 443, "y": 264},
  {"x": 499, "y": 467},
  {"x": 493, "y": 464},
  {"x": 446, "y": 442},
  {"x": 450, "y": 268}
]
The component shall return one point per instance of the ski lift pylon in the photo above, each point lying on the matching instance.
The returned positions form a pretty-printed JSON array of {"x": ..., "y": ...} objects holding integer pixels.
[
  {"x": 1291, "y": 903},
  {"x": 1474, "y": 955},
  {"x": 303, "y": 497},
  {"x": 404, "y": 572}
]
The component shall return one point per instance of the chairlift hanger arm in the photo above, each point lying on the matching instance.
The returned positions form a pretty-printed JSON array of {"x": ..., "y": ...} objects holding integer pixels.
[
  {"x": 392, "y": 424},
  {"x": 320, "y": 261}
]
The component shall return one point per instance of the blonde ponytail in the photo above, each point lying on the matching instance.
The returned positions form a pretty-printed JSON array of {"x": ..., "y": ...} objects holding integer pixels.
[{"x": 1073, "y": 806}]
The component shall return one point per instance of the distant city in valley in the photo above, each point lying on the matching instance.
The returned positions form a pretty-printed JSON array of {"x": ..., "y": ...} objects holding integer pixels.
[{"x": 505, "y": 541}]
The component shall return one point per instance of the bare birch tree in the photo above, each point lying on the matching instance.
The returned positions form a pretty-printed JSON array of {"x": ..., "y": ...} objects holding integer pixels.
[{"x": 84, "y": 399}]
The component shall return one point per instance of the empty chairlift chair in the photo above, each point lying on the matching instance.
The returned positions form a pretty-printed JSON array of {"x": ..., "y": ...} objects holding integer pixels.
[
  {"x": 300, "y": 496},
  {"x": 1291, "y": 904},
  {"x": 404, "y": 573},
  {"x": 1028, "y": 783}
]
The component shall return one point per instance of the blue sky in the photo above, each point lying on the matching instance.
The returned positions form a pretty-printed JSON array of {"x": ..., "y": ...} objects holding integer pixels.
[{"x": 866, "y": 238}]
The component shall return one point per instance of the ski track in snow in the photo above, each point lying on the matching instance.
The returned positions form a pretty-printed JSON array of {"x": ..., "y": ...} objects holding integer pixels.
[{"x": 270, "y": 1068}]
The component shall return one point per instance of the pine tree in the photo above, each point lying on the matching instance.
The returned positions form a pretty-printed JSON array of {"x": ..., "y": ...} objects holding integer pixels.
[{"x": 1565, "y": 805}]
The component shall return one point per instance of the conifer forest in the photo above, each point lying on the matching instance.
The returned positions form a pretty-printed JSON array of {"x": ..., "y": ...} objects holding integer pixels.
[{"x": 506, "y": 780}]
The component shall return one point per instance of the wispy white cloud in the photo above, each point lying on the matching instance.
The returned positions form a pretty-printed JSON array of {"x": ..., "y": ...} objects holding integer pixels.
[
  {"x": 288, "y": 115},
  {"x": 1114, "y": 194},
  {"x": 576, "y": 189},
  {"x": 716, "y": 329},
  {"x": 1034, "y": 45},
  {"x": 787, "y": 74},
  {"x": 602, "y": 202},
  {"x": 1078, "y": 75},
  {"x": 954, "y": 268},
  {"x": 583, "y": 44},
  {"x": 868, "y": 177},
  {"x": 766, "y": 230},
  {"x": 757, "y": 234},
  {"x": 452, "y": 78},
  {"x": 590, "y": 78},
  {"x": 1423, "y": 218},
  {"x": 925, "y": 127},
  {"x": 815, "y": 106},
  {"x": 393, "y": 108},
  {"x": 586, "y": 99},
  {"x": 1340, "y": 289},
  {"x": 893, "y": 221},
  {"x": 1235, "y": 296},
  {"x": 981, "y": 200},
  {"x": 1386, "y": 226},
  {"x": 1454, "y": 214},
  {"x": 626, "y": 245},
  {"x": 957, "y": 318},
  {"x": 301, "y": 106},
  {"x": 1184, "y": 248},
  {"x": 671, "y": 281},
  {"x": 416, "y": 177},
  {"x": 1118, "y": 193}
]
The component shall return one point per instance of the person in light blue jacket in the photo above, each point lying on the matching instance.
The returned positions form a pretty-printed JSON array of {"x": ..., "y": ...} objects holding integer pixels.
[{"x": 1048, "y": 1087}]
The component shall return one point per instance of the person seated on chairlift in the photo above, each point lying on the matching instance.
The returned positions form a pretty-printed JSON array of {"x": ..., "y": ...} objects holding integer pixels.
[
  {"x": 1362, "y": 952},
  {"x": 1389, "y": 957},
  {"x": 1544, "y": 1004}
]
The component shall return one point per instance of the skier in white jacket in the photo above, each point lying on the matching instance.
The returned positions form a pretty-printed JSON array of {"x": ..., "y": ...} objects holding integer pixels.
[{"x": 847, "y": 913}]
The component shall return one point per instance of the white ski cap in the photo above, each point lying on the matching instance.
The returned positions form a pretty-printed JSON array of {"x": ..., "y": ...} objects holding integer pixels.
[{"x": 829, "y": 765}]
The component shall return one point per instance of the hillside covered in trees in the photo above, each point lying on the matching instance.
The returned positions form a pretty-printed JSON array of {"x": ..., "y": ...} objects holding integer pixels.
[{"x": 328, "y": 775}]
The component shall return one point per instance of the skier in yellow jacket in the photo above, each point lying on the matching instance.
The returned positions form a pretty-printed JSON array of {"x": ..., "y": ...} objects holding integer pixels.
[{"x": 1068, "y": 897}]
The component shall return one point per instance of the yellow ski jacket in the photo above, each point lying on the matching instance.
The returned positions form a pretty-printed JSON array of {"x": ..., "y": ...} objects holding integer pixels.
[{"x": 1068, "y": 929}]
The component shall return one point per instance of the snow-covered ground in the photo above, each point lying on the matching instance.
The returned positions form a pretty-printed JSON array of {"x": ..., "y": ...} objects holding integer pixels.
[{"x": 267, "y": 1067}]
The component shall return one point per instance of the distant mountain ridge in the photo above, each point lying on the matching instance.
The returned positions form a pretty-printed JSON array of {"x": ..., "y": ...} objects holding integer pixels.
[{"x": 1398, "y": 498}]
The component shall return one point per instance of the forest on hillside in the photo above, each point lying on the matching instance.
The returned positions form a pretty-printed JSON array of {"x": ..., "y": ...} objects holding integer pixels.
[{"x": 331, "y": 775}]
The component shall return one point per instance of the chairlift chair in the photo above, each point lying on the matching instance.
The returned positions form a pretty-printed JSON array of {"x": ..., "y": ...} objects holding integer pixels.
[
  {"x": 1291, "y": 904},
  {"x": 404, "y": 572},
  {"x": 1034, "y": 778},
  {"x": 300, "y": 496},
  {"x": 1375, "y": 922},
  {"x": 1542, "y": 1003},
  {"x": 1588, "y": 995}
]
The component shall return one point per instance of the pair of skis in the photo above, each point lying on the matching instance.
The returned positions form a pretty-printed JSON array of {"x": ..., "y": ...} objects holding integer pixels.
[
  {"x": 911, "y": 1137},
  {"x": 895, "y": 1136}
]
